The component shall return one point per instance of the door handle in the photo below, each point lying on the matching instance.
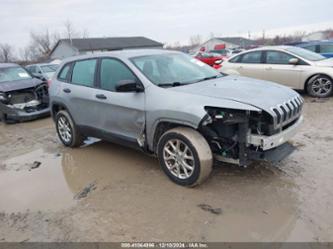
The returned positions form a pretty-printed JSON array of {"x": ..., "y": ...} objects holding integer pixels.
[
  {"x": 100, "y": 96},
  {"x": 67, "y": 90}
]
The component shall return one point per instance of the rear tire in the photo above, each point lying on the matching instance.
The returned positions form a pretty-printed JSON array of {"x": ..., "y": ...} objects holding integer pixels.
[
  {"x": 320, "y": 86},
  {"x": 67, "y": 131},
  {"x": 185, "y": 156}
]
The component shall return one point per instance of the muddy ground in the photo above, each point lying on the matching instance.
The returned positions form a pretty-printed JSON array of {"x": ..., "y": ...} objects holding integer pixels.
[{"x": 104, "y": 192}]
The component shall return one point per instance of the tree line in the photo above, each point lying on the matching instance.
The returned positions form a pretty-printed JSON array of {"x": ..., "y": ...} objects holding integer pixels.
[{"x": 40, "y": 44}]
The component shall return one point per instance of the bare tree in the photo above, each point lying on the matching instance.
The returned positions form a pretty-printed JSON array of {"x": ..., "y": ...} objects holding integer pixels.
[
  {"x": 6, "y": 53},
  {"x": 42, "y": 41},
  {"x": 195, "y": 40}
]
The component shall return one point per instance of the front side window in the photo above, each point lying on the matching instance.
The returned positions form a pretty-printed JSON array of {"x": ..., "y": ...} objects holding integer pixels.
[
  {"x": 327, "y": 48},
  {"x": 84, "y": 72},
  {"x": 173, "y": 68},
  {"x": 252, "y": 57},
  {"x": 112, "y": 72},
  {"x": 13, "y": 74},
  {"x": 275, "y": 57}
]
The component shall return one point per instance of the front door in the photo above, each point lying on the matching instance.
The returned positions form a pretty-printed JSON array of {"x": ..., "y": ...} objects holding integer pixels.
[
  {"x": 121, "y": 114},
  {"x": 278, "y": 69}
]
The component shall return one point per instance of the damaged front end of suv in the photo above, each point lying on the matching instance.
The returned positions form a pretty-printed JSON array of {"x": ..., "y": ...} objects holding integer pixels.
[
  {"x": 240, "y": 136},
  {"x": 22, "y": 97}
]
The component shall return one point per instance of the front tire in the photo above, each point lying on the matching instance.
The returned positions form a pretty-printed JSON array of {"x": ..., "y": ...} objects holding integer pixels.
[
  {"x": 185, "y": 156},
  {"x": 67, "y": 131},
  {"x": 320, "y": 86}
]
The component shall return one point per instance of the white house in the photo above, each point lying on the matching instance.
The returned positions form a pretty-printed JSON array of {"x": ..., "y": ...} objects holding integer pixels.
[{"x": 230, "y": 43}]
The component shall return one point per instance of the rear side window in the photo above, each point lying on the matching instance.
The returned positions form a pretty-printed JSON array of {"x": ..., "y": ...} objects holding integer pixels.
[
  {"x": 327, "y": 48},
  {"x": 113, "y": 71},
  {"x": 253, "y": 57},
  {"x": 63, "y": 74},
  {"x": 275, "y": 57},
  {"x": 84, "y": 72}
]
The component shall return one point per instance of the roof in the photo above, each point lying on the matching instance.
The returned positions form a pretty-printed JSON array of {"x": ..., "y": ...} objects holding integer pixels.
[
  {"x": 126, "y": 54},
  {"x": 240, "y": 41},
  {"x": 110, "y": 43},
  {"x": 5, "y": 65}
]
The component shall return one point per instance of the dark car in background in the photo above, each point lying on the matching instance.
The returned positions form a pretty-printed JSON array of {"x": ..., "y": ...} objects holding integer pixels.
[
  {"x": 325, "y": 48},
  {"x": 42, "y": 71},
  {"x": 22, "y": 97}
]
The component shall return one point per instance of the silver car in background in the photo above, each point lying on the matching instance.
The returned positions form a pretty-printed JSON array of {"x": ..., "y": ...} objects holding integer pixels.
[
  {"x": 294, "y": 67},
  {"x": 43, "y": 71},
  {"x": 171, "y": 105}
]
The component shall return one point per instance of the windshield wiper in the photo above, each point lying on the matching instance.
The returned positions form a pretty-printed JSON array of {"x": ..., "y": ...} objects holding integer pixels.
[
  {"x": 209, "y": 78},
  {"x": 173, "y": 84}
]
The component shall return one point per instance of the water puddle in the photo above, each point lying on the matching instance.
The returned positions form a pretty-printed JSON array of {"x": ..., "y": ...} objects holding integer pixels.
[
  {"x": 34, "y": 181},
  {"x": 44, "y": 180}
]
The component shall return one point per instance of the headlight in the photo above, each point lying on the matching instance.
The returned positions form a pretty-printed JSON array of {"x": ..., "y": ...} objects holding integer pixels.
[{"x": 4, "y": 98}]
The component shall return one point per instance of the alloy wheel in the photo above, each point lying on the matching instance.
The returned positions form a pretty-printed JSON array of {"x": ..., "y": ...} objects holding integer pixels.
[
  {"x": 321, "y": 86},
  {"x": 64, "y": 129},
  {"x": 178, "y": 158}
]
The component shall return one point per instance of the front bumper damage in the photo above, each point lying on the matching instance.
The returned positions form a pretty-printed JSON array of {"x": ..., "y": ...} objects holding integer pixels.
[
  {"x": 25, "y": 105},
  {"x": 269, "y": 142},
  {"x": 20, "y": 115},
  {"x": 237, "y": 137}
]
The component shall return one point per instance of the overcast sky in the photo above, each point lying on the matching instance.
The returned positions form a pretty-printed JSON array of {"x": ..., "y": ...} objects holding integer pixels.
[{"x": 167, "y": 21}]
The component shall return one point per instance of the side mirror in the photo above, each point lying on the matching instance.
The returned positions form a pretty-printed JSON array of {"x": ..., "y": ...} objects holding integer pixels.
[
  {"x": 129, "y": 86},
  {"x": 293, "y": 61}
]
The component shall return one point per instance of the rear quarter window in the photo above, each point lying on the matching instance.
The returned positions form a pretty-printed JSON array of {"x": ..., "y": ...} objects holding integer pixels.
[{"x": 64, "y": 72}]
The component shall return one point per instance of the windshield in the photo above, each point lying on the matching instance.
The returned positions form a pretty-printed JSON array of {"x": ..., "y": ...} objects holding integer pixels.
[
  {"x": 49, "y": 68},
  {"x": 13, "y": 73},
  {"x": 176, "y": 69},
  {"x": 306, "y": 54}
]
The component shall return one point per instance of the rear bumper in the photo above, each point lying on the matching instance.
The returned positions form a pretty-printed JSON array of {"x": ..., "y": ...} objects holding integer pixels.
[
  {"x": 20, "y": 115},
  {"x": 270, "y": 142}
]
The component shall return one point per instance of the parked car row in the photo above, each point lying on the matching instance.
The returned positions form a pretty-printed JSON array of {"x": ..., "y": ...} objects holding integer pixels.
[
  {"x": 325, "y": 48},
  {"x": 294, "y": 67}
]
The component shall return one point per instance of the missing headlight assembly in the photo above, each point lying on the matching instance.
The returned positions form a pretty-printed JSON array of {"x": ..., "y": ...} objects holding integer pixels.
[{"x": 239, "y": 137}]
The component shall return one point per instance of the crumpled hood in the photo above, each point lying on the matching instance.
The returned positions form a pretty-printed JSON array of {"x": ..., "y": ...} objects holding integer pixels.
[
  {"x": 19, "y": 84},
  {"x": 325, "y": 63},
  {"x": 261, "y": 94}
]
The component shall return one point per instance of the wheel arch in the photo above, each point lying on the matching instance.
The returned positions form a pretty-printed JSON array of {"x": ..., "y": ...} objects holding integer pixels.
[
  {"x": 164, "y": 125},
  {"x": 56, "y": 107}
]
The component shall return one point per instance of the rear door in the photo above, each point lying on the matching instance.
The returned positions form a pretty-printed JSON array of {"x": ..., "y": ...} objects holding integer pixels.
[
  {"x": 278, "y": 69},
  {"x": 79, "y": 92}
]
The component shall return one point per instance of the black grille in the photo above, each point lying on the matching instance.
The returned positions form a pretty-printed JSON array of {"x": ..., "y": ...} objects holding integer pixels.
[{"x": 287, "y": 112}]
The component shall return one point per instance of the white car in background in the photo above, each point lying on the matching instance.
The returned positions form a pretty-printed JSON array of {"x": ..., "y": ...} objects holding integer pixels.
[{"x": 291, "y": 66}]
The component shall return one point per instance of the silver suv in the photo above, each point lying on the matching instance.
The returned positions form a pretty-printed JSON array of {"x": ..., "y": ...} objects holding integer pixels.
[{"x": 173, "y": 106}]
